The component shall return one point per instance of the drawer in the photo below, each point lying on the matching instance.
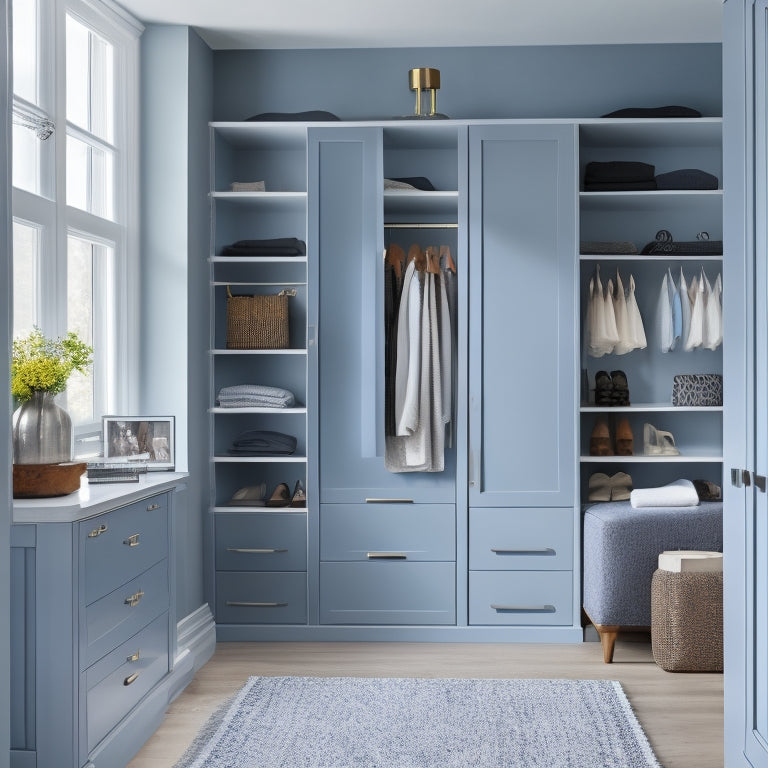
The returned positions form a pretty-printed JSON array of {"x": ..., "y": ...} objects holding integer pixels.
[
  {"x": 387, "y": 592},
  {"x": 404, "y": 531},
  {"x": 520, "y": 539},
  {"x": 275, "y": 541},
  {"x": 123, "y": 612},
  {"x": 122, "y": 544},
  {"x": 117, "y": 682},
  {"x": 261, "y": 598},
  {"x": 521, "y": 597}
]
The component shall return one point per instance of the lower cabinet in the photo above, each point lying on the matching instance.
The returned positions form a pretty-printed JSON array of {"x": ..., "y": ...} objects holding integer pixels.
[
  {"x": 388, "y": 564},
  {"x": 521, "y": 566},
  {"x": 93, "y": 634}
]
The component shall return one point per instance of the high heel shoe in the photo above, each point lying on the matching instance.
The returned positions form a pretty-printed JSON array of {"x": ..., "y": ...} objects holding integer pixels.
[
  {"x": 625, "y": 441},
  {"x": 600, "y": 441},
  {"x": 603, "y": 389},
  {"x": 656, "y": 442},
  {"x": 280, "y": 496},
  {"x": 299, "y": 498}
]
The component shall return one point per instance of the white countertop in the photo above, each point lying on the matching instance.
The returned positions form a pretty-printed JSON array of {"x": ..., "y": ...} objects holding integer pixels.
[{"x": 94, "y": 499}]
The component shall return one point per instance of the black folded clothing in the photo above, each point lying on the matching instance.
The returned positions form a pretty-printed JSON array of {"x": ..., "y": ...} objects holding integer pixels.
[
  {"x": 686, "y": 178},
  {"x": 670, "y": 111},
  {"x": 279, "y": 246},
  {"x": 618, "y": 172},
  {"x": 311, "y": 115},
  {"x": 419, "y": 182},
  {"x": 262, "y": 442},
  {"x": 619, "y": 186}
]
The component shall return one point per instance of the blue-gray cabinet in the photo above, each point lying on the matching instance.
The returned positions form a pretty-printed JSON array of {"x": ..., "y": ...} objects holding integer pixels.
[
  {"x": 745, "y": 519},
  {"x": 522, "y": 394},
  {"x": 94, "y": 635}
]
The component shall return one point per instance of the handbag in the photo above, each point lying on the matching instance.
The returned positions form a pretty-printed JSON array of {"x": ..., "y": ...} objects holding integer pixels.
[
  {"x": 665, "y": 244},
  {"x": 258, "y": 322},
  {"x": 697, "y": 389}
]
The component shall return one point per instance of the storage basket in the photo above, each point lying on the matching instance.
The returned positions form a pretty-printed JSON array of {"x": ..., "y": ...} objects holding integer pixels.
[
  {"x": 687, "y": 621},
  {"x": 258, "y": 322}
]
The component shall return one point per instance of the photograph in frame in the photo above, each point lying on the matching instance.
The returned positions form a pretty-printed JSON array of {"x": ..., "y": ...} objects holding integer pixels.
[{"x": 145, "y": 439}]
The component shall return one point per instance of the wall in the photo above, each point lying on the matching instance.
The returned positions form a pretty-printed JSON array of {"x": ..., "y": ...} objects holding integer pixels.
[
  {"x": 6, "y": 305},
  {"x": 561, "y": 81},
  {"x": 176, "y": 98}
]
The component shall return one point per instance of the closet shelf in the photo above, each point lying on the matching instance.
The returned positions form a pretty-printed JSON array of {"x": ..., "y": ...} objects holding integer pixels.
[
  {"x": 259, "y": 459},
  {"x": 257, "y": 259},
  {"x": 266, "y": 201},
  {"x": 219, "y": 409},
  {"x": 252, "y": 282},
  {"x": 642, "y": 459},
  {"x": 672, "y": 259},
  {"x": 400, "y": 203},
  {"x": 650, "y": 408},
  {"x": 301, "y": 351},
  {"x": 256, "y": 510},
  {"x": 669, "y": 200}
]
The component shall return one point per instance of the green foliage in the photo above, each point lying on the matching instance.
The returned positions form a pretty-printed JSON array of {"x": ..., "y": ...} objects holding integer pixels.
[{"x": 40, "y": 364}]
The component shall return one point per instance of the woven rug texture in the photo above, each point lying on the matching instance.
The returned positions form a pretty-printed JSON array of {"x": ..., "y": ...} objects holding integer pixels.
[{"x": 346, "y": 722}]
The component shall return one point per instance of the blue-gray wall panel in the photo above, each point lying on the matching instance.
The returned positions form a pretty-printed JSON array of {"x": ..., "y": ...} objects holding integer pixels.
[{"x": 497, "y": 82}]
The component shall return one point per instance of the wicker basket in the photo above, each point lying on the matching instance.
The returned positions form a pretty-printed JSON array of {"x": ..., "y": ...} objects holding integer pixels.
[
  {"x": 258, "y": 322},
  {"x": 687, "y": 621}
]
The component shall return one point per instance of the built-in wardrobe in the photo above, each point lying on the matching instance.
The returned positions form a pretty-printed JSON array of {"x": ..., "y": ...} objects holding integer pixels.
[{"x": 483, "y": 543}]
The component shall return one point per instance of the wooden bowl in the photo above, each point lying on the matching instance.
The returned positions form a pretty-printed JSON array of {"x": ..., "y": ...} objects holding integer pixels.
[{"x": 35, "y": 481}]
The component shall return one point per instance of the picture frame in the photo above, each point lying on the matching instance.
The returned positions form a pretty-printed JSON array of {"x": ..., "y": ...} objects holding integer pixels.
[{"x": 147, "y": 440}]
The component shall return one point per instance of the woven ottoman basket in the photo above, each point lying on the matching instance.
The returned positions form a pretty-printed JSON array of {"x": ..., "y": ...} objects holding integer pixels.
[{"x": 687, "y": 621}]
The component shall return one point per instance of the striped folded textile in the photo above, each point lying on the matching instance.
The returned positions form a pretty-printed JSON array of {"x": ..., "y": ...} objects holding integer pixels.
[{"x": 255, "y": 396}]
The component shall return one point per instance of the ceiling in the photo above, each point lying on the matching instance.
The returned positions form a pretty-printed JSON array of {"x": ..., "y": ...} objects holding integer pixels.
[{"x": 275, "y": 24}]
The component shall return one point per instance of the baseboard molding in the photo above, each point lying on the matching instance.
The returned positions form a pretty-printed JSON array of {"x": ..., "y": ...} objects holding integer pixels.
[{"x": 196, "y": 637}]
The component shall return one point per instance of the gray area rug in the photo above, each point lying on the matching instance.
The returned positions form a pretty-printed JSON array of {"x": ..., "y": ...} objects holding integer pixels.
[{"x": 340, "y": 722}]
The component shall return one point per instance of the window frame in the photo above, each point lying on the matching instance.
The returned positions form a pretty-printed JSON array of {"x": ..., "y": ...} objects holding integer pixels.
[{"x": 58, "y": 221}]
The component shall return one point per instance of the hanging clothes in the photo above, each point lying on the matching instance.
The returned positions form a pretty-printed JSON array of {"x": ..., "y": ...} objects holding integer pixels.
[
  {"x": 602, "y": 334},
  {"x": 712, "y": 335},
  {"x": 625, "y": 343},
  {"x": 634, "y": 319},
  {"x": 696, "y": 297},
  {"x": 685, "y": 309},
  {"x": 664, "y": 324}
]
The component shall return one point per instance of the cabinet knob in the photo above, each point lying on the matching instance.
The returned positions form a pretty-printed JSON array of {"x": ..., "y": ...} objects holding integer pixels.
[
  {"x": 134, "y": 656},
  {"x": 134, "y": 599},
  {"x": 133, "y": 540},
  {"x": 386, "y": 555},
  {"x": 247, "y": 551},
  {"x": 152, "y": 507},
  {"x": 524, "y": 608},
  {"x": 244, "y": 604},
  {"x": 103, "y": 528},
  {"x": 131, "y": 678}
]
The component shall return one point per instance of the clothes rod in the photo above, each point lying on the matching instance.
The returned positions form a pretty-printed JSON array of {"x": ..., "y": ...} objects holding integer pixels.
[{"x": 420, "y": 226}]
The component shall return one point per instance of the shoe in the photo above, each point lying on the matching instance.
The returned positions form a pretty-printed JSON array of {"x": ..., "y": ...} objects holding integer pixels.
[
  {"x": 280, "y": 496},
  {"x": 599, "y": 487},
  {"x": 625, "y": 441},
  {"x": 299, "y": 498},
  {"x": 707, "y": 490},
  {"x": 621, "y": 486},
  {"x": 603, "y": 389},
  {"x": 658, "y": 443},
  {"x": 600, "y": 441},
  {"x": 620, "y": 388},
  {"x": 249, "y": 496}
]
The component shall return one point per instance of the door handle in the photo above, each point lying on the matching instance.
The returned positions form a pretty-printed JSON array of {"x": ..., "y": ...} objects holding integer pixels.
[{"x": 759, "y": 482}]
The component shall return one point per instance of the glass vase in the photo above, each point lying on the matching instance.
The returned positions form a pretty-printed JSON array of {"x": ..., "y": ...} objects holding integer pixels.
[{"x": 42, "y": 432}]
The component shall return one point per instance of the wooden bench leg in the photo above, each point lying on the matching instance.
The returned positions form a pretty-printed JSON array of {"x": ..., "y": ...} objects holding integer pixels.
[{"x": 608, "y": 635}]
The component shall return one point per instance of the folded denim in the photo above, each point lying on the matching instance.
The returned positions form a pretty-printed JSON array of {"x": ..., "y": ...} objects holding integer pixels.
[{"x": 262, "y": 442}]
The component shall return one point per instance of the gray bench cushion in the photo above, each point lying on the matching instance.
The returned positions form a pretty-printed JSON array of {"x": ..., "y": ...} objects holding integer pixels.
[{"x": 621, "y": 551}]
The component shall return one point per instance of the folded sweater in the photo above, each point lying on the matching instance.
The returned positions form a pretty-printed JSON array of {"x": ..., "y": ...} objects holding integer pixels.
[{"x": 680, "y": 493}]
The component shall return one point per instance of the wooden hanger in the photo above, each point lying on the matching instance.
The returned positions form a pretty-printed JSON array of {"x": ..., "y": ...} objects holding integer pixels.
[
  {"x": 433, "y": 260},
  {"x": 396, "y": 257},
  {"x": 445, "y": 251},
  {"x": 416, "y": 254}
]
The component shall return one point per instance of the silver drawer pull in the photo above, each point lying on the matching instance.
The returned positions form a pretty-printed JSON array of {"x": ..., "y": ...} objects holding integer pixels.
[
  {"x": 386, "y": 555},
  {"x": 133, "y": 540},
  {"x": 131, "y": 678},
  {"x": 389, "y": 501},
  {"x": 133, "y": 600},
  {"x": 103, "y": 528},
  {"x": 241, "y": 604},
  {"x": 153, "y": 507},
  {"x": 134, "y": 656},
  {"x": 541, "y": 551},
  {"x": 524, "y": 608},
  {"x": 246, "y": 551}
]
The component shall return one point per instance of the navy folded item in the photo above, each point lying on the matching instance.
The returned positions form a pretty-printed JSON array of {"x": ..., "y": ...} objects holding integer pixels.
[
  {"x": 263, "y": 442},
  {"x": 686, "y": 178},
  {"x": 310, "y": 115},
  {"x": 279, "y": 246},
  {"x": 417, "y": 182},
  {"x": 670, "y": 111},
  {"x": 618, "y": 171}
]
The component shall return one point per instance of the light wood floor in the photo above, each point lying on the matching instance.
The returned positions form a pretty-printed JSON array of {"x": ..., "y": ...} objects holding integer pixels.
[{"x": 682, "y": 714}]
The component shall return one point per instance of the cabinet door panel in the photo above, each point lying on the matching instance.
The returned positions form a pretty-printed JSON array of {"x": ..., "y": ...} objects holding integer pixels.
[
  {"x": 261, "y": 598},
  {"x": 347, "y": 210},
  {"x": 522, "y": 322}
]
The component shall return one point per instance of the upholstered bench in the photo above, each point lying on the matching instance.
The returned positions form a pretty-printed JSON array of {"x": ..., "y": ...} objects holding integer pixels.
[{"x": 621, "y": 547}]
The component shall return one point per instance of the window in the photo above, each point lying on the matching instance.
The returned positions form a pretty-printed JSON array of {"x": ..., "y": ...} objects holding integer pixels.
[{"x": 75, "y": 189}]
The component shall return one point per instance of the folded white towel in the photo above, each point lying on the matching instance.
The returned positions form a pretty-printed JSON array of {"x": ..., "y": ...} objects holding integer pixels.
[{"x": 681, "y": 493}]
